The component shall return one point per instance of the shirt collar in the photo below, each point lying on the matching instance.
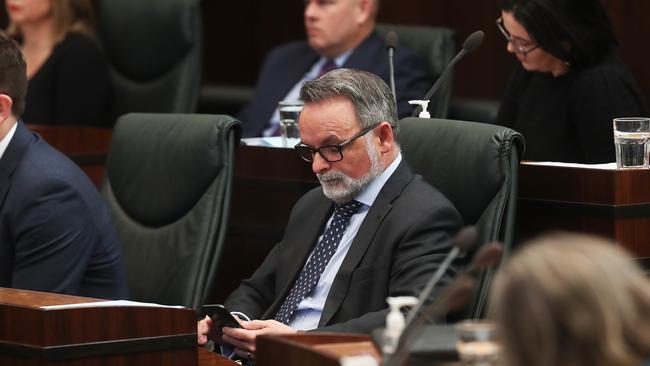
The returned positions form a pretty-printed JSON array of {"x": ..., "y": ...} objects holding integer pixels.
[
  {"x": 370, "y": 193},
  {"x": 4, "y": 142}
]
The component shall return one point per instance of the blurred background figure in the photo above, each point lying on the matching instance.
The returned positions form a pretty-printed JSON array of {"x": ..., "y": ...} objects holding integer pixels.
[
  {"x": 568, "y": 85},
  {"x": 340, "y": 33},
  {"x": 568, "y": 299},
  {"x": 68, "y": 74}
]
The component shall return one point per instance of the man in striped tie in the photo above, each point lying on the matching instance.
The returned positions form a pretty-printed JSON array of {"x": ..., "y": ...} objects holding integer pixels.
[{"x": 373, "y": 229}]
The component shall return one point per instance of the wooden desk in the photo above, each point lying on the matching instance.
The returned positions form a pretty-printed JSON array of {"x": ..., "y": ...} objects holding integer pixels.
[
  {"x": 322, "y": 349},
  {"x": 110, "y": 335},
  {"x": 611, "y": 203}
]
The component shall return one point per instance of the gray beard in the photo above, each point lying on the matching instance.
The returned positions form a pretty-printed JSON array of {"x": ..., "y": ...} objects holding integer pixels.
[{"x": 340, "y": 188}]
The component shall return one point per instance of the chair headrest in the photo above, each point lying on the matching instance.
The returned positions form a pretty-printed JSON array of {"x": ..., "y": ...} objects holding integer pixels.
[
  {"x": 137, "y": 33},
  {"x": 160, "y": 165},
  {"x": 466, "y": 161}
]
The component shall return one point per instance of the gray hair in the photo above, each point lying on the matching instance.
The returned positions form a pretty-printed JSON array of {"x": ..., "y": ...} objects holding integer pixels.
[{"x": 372, "y": 99}]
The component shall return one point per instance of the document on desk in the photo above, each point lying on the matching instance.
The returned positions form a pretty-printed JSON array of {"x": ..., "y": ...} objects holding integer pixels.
[
  {"x": 112, "y": 303},
  {"x": 272, "y": 141},
  {"x": 605, "y": 166}
]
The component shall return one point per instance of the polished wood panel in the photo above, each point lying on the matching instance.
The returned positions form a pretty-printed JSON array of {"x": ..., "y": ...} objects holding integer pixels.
[
  {"x": 108, "y": 335},
  {"x": 317, "y": 349},
  {"x": 207, "y": 358},
  {"x": 611, "y": 203}
]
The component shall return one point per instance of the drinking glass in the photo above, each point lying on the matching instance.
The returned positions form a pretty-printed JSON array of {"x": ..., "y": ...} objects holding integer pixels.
[
  {"x": 289, "y": 113},
  {"x": 477, "y": 343},
  {"x": 631, "y": 136}
]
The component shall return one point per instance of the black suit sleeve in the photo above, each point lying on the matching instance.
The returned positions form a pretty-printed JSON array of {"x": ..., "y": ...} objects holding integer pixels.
[{"x": 256, "y": 294}]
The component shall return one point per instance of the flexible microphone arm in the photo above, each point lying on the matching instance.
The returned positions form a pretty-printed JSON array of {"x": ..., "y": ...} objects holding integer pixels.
[
  {"x": 472, "y": 42},
  {"x": 391, "y": 43},
  {"x": 453, "y": 297}
]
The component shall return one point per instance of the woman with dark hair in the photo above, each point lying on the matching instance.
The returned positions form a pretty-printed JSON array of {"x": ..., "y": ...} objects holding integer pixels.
[
  {"x": 68, "y": 73},
  {"x": 568, "y": 85}
]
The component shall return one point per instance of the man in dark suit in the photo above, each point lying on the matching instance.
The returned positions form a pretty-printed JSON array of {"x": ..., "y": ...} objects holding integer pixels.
[
  {"x": 55, "y": 231},
  {"x": 338, "y": 31},
  {"x": 330, "y": 274}
]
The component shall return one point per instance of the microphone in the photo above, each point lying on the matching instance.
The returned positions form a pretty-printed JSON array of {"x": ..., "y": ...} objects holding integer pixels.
[
  {"x": 472, "y": 42},
  {"x": 391, "y": 43},
  {"x": 453, "y": 297}
]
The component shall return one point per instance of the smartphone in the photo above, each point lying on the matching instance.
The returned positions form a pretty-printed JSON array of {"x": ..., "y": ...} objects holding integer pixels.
[{"x": 221, "y": 316}]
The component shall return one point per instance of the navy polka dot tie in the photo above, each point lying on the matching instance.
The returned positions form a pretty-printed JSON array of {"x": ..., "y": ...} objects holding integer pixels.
[{"x": 318, "y": 260}]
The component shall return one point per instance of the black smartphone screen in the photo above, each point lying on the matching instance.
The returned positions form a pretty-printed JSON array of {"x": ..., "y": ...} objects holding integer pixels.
[{"x": 221, "y": 316}]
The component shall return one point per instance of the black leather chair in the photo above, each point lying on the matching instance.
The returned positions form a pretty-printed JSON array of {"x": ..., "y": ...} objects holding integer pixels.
[
  {"x": 475, "y": 165},
  {"x": 167, "y": 185},
  {"x": 154, "y": 50},
  {"x": 437, "y": 46}
]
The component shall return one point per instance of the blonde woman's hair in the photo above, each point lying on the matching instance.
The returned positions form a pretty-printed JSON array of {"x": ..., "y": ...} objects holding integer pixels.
[
  {"x": 69, "y": 16},
  {"x": 568, "y": 299}
]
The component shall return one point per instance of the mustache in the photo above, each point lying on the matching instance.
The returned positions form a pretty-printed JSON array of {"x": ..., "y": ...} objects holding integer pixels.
[{"x": 330, "y": 176}]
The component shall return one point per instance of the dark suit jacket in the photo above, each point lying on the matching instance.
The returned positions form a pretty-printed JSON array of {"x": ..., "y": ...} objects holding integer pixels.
[
  {"x": 287, "y": 64},
  {"x": 403, "y": 239},
  {"x": 55, "y": 231}
]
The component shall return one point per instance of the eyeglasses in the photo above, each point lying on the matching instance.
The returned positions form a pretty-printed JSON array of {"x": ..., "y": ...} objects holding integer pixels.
[
  {"x": 331, "y": 153},
  {"x": 521, "y": 45}
]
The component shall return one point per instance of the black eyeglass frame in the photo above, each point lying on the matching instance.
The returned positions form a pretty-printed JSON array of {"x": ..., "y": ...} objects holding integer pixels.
[
  {"x": 515, "y": 40},
  {"x": 301, "y": 147}
]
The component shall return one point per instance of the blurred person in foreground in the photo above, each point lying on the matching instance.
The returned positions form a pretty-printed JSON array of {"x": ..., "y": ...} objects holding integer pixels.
[
  {"x": 572, "y": 300},
  {"x": 68, "y": 74},
  {"x": 569, "y": 84},
  {"x": 340, "y": 33},
  {"x": 56, "y": 234},
  {"x": 373, "y": 229}
]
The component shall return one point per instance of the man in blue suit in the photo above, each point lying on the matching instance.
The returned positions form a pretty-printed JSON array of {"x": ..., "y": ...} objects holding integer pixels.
[
  {"x": 55, "y": 231},
  {"x": 340, "y": 33}
]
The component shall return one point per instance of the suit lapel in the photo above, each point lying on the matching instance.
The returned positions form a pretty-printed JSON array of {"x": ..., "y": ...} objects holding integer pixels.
[
  {"x": 364, "y": 56},
  {"x": 300, "y": 244},
  {"x": 376, "y": 215},
  {"x": 11, "y": 158},
  {"x": 291, "y": 75}
]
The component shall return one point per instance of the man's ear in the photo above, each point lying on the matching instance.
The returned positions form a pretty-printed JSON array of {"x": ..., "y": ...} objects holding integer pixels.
[
  {"x": 366, "y": 9},
  {"x": 386, "y": 139},
  {"x": 5, "y": 107}
]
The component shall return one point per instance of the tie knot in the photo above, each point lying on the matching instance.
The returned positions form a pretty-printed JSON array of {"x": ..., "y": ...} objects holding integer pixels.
[{"x": 347, "y": 209}]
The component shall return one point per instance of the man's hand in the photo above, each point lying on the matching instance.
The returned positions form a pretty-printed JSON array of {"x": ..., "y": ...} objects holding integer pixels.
[
  {"x": 203, "y": 329},
  {"x": 244, "y": 339}
]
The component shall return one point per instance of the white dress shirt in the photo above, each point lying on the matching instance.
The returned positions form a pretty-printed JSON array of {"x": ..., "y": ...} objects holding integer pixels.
[{"x": 4, "y": 142}]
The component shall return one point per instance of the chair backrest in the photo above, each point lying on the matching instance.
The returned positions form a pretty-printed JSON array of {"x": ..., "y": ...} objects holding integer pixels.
[
  {"x": 154, "y": 51},
  {"x": 475, "y": 165},
  {"x": 167, "y": 185},
  {"x": 437, "y": 46}
]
